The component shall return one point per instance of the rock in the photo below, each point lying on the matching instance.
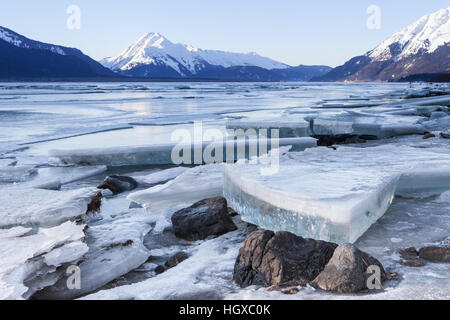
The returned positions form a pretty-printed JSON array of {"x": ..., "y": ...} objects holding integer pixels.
[
  {"x": 291, "y": 291},
  {"x": 391, "y": 276},
  {"x": 160, "y": 269},
  {"x": 329, "y": 140},
  {"x": 274, "y": 288},
  {"x": 176, "y": 259},
  {"x": 280, "y": 259},
  {"x": 232, "y": 213},
  {"x": 411, "y": 258},
  {"x": 445, "y": 135},
  {"x": 118, "y": 184},
  {"x": 409, "y": 253},
  {"x": 347, "y": 271},
  {"x": 414, "y": 263},
  {"x": 429, "y": 136},
  {"x": 435, "y": 254},
  {"x": 204, "y": 219},
  {"x": 134, "y": 205},
  {"x": 95, "y": 204}
]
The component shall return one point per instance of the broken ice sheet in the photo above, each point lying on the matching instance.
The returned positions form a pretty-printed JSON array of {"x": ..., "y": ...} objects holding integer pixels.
[
  {"x": 333, "y": 195},
  {"x": 17, "y": 266},
  {"x": 26, "y": 206}
]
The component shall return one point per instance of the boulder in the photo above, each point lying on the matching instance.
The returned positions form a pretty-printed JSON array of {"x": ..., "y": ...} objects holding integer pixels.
[
  {"x": 204, "y": 219},
  {"x": 118, "y": 184},
  {"x": 413, "y": 263},
  {"x": 348, "y": 271},
  {"x": 445, "y": 135},
  {"x": 280, "y": 259},
  {"x": 435, "y": 254},
  {"x": 95, "y": 205},
  {"x": 176, "y": 259},
  {"x": 429, "y": 136}
]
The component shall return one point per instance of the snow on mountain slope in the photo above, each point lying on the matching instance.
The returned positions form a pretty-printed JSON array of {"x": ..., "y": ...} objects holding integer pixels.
[
  {"x": 25, "y": 43},
  {"x": 155, "y": 49},
  {"x": 420, "y": 51},
  {"x": 424, "y": 36}
]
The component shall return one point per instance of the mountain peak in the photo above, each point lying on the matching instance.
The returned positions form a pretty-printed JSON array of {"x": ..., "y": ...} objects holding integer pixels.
[
  {"x": 152, "y": 39},
  {"x": 418, "y": 51},
  {"x": 153, "y": 49},
  {"x": 425, "y": 35}
]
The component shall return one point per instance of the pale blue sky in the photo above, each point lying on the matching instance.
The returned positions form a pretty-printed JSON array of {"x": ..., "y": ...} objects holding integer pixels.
[{"x": 292, "y": 31}]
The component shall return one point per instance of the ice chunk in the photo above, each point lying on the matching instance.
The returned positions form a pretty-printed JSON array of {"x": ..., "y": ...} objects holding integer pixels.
[
  {"x": 53, "y": 178},
  {"x": 14, "y": 174},
  {"x": 333, "y": 195},
  {"x": 162, "y": 154},
  {"x": 161, "y": 176},
  {"x": 17, "y": 266},
  {"x": 115, "y": 248},
  {"x": 380, "y": 128},
  {"x": 36, "y": 207},
  {"x": 444, "y": 198},
  {"x": 193, "y": 185},
  {"x": 286, "y": 129},
  {"x": 205, "y": 274}
]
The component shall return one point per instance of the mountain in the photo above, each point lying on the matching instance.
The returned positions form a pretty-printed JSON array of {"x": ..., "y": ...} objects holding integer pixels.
[
  {"x": 419, "y": 51},
  {"x": 154, "y": 56},
  {"x": 23, "y": 58}
]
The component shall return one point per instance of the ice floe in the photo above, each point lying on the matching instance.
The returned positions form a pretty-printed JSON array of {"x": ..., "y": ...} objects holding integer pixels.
[
  {"x": 333, "y": 195},
  {"x": 164, "y": 154}
]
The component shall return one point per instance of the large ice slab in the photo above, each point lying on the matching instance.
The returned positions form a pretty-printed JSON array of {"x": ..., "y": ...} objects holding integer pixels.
[
  {"x": 333, "y": 195},
  {"x": 163, "y": 154}
]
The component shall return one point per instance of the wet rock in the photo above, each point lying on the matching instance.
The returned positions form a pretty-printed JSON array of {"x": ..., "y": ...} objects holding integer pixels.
[
  {"x": 291, "y": 291},
  {"x": 392, "y": 276},
  {"x": 347, "y": 271},
  {"x": 134, "y": 205},
  {"x": 202, "y": 220},
  {"x": 435, "y": 254},
  {"x": 176, "y": 259},
  {"x": 429, "y": 136},
  {"x": 445, "y": 135},
  {"x": 280, "y": 259},
  {"x": 414, "y": 263},
  {"x": 232, "y": 213},
  {"x": 409, "y": 253},
  {"x": 329, "y": 140},
  {"x": 95, "y": 205},
  {"x": 411, "y": 258},
  {"x": 118, "y": 184},
  {"x": 160, "y": 269}
]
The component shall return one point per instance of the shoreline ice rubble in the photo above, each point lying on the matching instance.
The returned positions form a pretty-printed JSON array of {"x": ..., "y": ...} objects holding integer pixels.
[
  {"x": 54, "y": 231},
  {"x": 334, "y": 195}
]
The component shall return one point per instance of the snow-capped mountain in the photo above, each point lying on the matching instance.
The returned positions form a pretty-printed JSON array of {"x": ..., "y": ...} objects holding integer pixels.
[
  {"x": 21, "y": 57},
  {"x": 155, "y": 56},
  {"x": 421, "y": 48}
]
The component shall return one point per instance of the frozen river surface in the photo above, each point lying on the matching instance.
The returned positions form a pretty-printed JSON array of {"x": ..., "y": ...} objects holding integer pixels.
[{"x": 58, "y": 141}]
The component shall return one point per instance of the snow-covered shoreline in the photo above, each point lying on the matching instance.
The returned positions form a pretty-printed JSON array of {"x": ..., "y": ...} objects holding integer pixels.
[{"x": 119, "y": 248}]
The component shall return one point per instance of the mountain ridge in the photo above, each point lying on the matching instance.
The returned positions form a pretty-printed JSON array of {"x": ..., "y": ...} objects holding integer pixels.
[
  {"x": 21, "y": 57},
  {"x": 153, "y": 55},
  {"x": 422, "y": 47}
]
